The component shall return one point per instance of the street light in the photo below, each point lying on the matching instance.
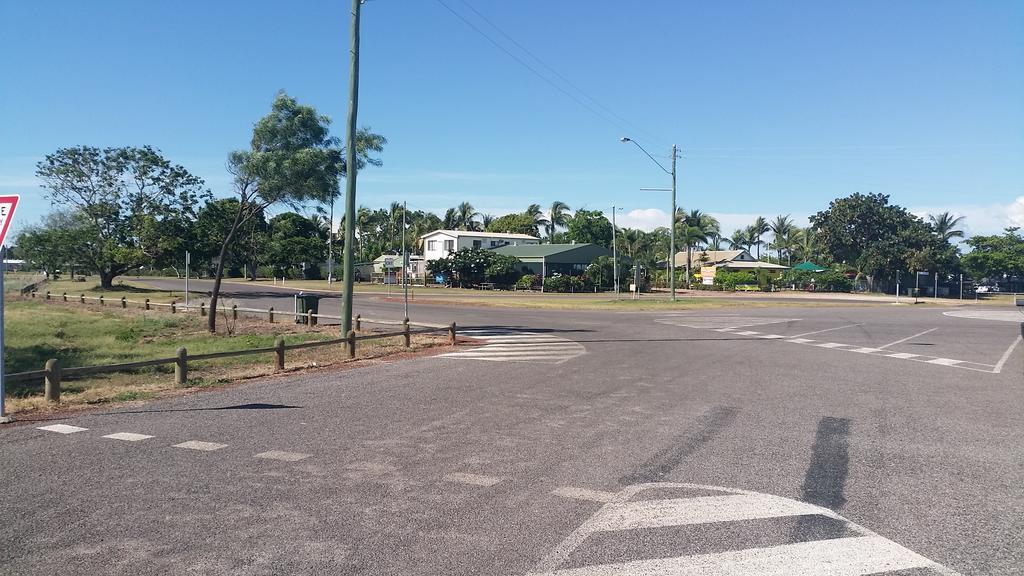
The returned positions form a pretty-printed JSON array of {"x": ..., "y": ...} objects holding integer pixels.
[{"x": 672, "y": 217}]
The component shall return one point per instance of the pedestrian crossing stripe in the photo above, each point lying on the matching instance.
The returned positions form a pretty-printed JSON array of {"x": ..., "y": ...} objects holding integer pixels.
[
  {"x": 861, "y": 553},
  {"x": 508, "y": 345}
]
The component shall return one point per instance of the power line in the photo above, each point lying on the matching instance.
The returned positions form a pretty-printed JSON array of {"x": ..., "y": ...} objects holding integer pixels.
[
  {"x": 597, "y": 103},
  {"x": 537, "y": 73}
]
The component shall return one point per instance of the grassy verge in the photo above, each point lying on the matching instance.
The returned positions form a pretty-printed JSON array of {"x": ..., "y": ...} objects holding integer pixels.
[
  {"x": 37, "y": 331},
  {"x": 125, "y": 288}
]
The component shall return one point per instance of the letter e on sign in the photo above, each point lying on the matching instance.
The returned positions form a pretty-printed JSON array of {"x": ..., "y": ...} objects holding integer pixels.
[{"x": 7, "y": 206}]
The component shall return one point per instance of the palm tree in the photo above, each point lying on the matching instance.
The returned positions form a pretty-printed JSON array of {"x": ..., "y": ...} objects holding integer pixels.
[
  {"x": 486, "y": 219},
  {"x": 807, "y": 247},
  {"x": 466, "y": 216},
  {"x": 698, "y": 226},
  {"x": 558, "y": 215},
  {"x": 451, "y": 219},
  {"x": 792, "y": 240},
  {"x": 739, "y": 240},
  {"x": 946, "y": 226},
  {"x": 781, "y": 227},
  {"x": 760, "y": 228}
]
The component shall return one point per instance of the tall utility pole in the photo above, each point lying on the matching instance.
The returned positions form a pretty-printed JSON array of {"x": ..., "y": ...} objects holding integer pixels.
[
  {"x": 672, "y": 230},
  {"x": 615, "y": 255},
  {"x": 330, "y": 247},
  {"x": 350, "y": 173},
  {"x": 405, "y": 267}
]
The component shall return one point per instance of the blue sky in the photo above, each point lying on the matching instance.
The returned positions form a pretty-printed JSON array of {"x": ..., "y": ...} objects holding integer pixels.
[{"x": 778, "y": 107}]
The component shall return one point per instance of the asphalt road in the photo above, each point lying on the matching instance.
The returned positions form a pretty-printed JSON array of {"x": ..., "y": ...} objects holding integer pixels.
[{"x": 867, "y": 440}]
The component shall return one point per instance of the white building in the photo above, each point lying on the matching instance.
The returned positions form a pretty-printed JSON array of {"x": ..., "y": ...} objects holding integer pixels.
[{"x": 441, "y": 243}]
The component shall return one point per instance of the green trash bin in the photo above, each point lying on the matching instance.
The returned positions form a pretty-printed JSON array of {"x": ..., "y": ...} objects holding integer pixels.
[{"x": 305, "y": 303}]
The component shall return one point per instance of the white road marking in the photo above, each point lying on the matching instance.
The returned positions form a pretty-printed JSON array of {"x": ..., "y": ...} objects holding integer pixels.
[
  {"x": 1006, "y": 355},
  {"x": 859, "y": 555},
  {"x": 855, "y": 556},
  {"x": 998, "y": 315},
  {"x": 715, "y": 322},
  {"x": 748, "y": 333},
  {"x": 512, "y": 346},
  {"x": 831, "y": 345},
  {"x": 473, "y": 479},
  {"x": 771, "y": 336},
  {"x": 724, "y": 329},
  {"x": 62, "y": 428},
  {"x": 902, "y": 355},
  {"x": 699, "y": 510},
  {"x": 866, "y": 350},
  {"x": 583, "y": 494},
  {"x": 902, "y": 340},
  {"x": 800, "y": 341},
  {"x": 943, "y": 361},
  {"x": 280, "y": 455},
  {"x": 128, "y": 436},
  {"x": 825, "y": 330},
  {"x": 204, "y": 446}
]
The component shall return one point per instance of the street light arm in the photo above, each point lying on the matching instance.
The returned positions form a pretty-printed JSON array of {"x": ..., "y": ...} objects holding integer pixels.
[{"x": 663, "y": 169}]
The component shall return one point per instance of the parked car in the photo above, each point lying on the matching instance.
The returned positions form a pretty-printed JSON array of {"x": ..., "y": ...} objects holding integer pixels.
[{"x": 987, "y": 289}]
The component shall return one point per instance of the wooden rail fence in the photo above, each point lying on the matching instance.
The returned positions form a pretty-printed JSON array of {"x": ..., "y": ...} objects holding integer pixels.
[{"x": 53, "y": 373}]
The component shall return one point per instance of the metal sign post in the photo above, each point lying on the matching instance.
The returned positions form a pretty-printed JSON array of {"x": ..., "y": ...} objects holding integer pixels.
[
  {"x": 7, "y": 206},
  {"x": 187, "y": 261}
]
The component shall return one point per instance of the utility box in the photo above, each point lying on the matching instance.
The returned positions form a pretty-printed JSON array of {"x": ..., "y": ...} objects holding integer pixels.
[{"x": 305, "y": 303}]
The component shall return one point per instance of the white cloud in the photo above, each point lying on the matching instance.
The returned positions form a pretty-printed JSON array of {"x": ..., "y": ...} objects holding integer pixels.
[{"x": 981, "y": 219}]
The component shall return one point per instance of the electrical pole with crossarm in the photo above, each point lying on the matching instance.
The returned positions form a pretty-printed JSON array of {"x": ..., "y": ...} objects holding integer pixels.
[{"x": 350, "y": 175}]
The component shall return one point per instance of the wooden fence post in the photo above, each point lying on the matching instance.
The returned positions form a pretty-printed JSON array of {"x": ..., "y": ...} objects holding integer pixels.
[
  {"x": 47, "y": 294},
  {"x": 358, "y": 322},
  {"x": 351, "y": 343},
  {"x": 270, "y": 315},
  {"x": 279, "y": 352},
  {"x": 174, "y": 308},
  {"x": 82, "y": 298},
  {"x": 124, "y": 302},
  {"x": 181, "y": 367},
  {"x": 33, "y": 293},
  {"x": 408, "y": 336},
  {"x": 101, "y": 299},
  {"x": 309, "y": 318},
  {"x": 65, "y": 296},
  {"x": 202, "y": 308},
  {"x": 451, "y": 333},
  {"x": 52, "y": 380},
  {"x": 234, "y": 311},
  {"x": 147, "y": 303}
]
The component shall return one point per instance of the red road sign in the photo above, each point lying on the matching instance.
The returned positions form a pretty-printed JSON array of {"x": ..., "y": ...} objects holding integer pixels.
[{"x": 7, "y": 206}]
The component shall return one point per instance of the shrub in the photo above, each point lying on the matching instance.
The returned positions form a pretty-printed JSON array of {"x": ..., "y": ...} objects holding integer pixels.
[
  {"x": 564, "y": 283},
  {"x": 729, "y": 280},
  {"x": 827, "y": 281}
]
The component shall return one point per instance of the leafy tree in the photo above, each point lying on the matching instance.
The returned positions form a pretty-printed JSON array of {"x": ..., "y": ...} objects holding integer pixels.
[
  {"x": 471, "y": 266},
  {"x": 134, "y": 204},
  {"x": 213, "y": 222},
  {"x": 522, "y": 223},
  {"x": 877, "y": 238},
  {"x": 993, "y": 256},
  {"x": 291, "y": 160},
  {"x": 56, "y": 242},
  {"x": 294, "y": 240},
  {"x": 590, "y": 226}
]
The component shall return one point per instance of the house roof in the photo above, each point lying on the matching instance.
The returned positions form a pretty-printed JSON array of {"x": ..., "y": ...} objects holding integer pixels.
[
  {"x": 561, "y": 252},
  {"x": 714, "y": 256},
  {"x": 470, "y": 233},
  {"x": 755, "y": 265}
]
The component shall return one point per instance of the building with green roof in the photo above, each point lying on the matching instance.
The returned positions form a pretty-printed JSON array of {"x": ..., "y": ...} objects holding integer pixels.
[{"x": 548, "y": 259}]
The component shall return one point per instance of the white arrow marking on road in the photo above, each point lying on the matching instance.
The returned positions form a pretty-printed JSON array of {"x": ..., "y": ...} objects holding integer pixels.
[{"x": 860, "y": 555}]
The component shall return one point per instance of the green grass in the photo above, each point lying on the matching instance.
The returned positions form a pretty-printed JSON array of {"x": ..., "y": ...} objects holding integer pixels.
[{"x": 76, "y": 335}]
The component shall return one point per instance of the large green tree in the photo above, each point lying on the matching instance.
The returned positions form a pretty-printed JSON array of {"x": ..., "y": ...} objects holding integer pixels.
[
  {"x": 291, "y": 160},
  {"x": 589, "y": 226},
  {"x": 56, "y": 243},
  {"x": 134, "y": 203},
  {"x": 522, "y": 223},
  {"x": 992, "y": 256},
  {"x": 877, "y": 238},
  {"x": 295, "y": 241}
]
